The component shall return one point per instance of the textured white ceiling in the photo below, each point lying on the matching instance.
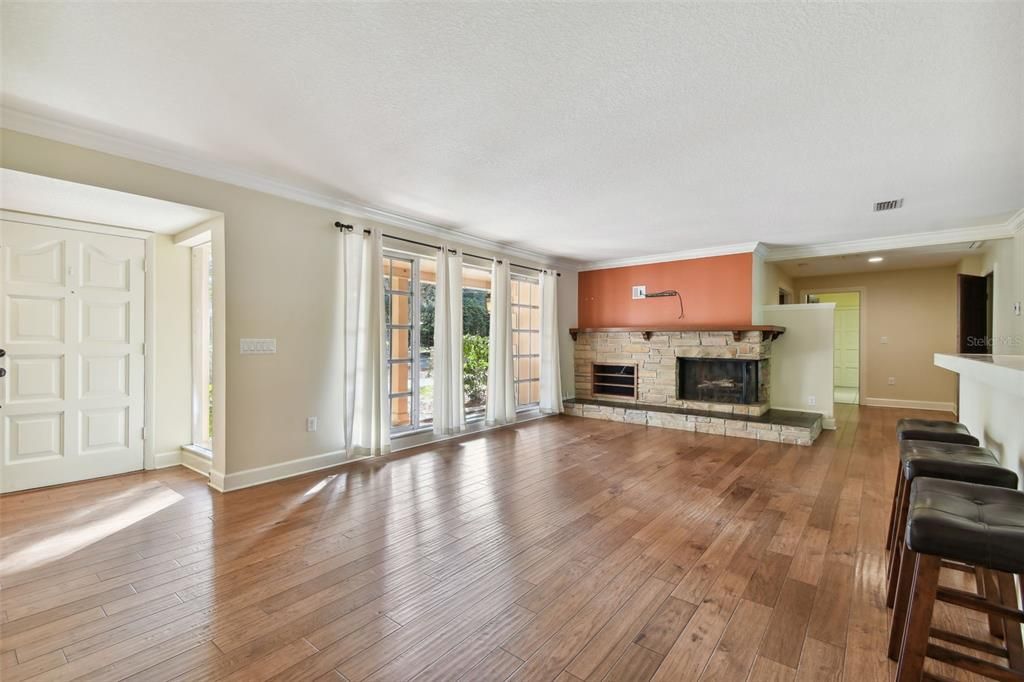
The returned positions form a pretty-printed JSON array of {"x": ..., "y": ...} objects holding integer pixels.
[
  {"x": 30, "y": 193},
  {"x": 580, "y": 129}
]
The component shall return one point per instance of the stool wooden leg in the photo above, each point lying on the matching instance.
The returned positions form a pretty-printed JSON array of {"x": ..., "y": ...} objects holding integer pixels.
[
  {"x": 897, "y": 544},
  {"x": 919, "y": 616},
  {"x": 904, "y": 584},
  {"x": 987, "y": 588},
  {"x": 1008, "y": 597},
  {"x": 895, "y": 506}
]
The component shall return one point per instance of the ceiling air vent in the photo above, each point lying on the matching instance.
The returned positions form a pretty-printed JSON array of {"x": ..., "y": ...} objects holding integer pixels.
[{"x": 890, "y": 205}]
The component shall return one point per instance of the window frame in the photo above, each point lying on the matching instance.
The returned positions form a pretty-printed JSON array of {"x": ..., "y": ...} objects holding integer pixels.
[
  {"x": 516, "y": 356},
  {"x": 202, "y": 346},
  {"x": 416, "y": 322}
]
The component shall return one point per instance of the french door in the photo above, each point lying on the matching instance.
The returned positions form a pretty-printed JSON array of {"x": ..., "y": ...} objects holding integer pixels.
[{"x": 72, "y": 307}]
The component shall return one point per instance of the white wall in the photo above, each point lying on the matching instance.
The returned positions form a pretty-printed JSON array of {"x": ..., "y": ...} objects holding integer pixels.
[
  {"x": 994, "y": 417},
  {"x": 802, "y": 359}
]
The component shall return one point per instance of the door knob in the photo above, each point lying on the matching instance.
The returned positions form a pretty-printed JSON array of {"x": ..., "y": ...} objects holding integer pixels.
[
  {"x": 3, "y": 372},
  {"x": 2, "y": 352}
]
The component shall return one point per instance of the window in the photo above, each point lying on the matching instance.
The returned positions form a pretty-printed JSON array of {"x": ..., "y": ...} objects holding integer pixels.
[
  {"x": 526, "y": 340},
  {"x": 476, "y": 332},
  {"x": 202, "y": 346}
]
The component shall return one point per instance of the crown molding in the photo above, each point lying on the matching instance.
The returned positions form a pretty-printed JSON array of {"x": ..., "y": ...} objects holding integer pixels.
[
  {"x": 904, "y": 241},
  {"x": 1013, "y": 225},
  {"x": 185, "y": 162},
  {"x": 689, "y": 254}
]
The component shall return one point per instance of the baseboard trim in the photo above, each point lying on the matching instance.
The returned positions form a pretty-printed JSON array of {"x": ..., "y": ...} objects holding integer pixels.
[
  {"x": 828, "y": 423},
  {"x": 275, "y": 472},
  {"x": 909, "y": 404},
  {"x": 248, "y": 478},
  {"x": 163, "y": 460}
]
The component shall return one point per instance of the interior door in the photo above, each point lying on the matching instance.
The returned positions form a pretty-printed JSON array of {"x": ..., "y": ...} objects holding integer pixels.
[
  {"x": 972, "y": 314},
  {"x": 847, "y": 347},
  {"x": 72, "y": 328}
]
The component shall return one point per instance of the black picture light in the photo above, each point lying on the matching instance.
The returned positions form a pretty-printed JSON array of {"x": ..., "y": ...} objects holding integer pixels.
[{"x": 668, "y": 292}]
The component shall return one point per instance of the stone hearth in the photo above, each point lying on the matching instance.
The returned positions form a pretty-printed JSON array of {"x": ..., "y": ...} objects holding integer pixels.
[{"x": 777, "y": 426}]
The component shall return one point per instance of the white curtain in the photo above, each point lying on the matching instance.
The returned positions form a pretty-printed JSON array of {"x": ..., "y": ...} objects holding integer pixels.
[
  {"x": 449, "y": 402},
  {"x": 501, "y": 399},
  {"x": 550, "y": 374},
  {"x": 361, "y": 313}
]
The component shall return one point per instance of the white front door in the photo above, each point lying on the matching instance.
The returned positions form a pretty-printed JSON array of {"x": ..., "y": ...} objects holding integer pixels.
[{"x": 72, "y": 327}]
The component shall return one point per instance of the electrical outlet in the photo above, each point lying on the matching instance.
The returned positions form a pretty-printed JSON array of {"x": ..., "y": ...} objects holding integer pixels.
[
  {"x": 311, "y": 424},
  {"x": 639, "y": 291},
  {"x": 892, "y": 381},
  {"x": 812, "y": 400},
  {"x": 885, "y": 339}
]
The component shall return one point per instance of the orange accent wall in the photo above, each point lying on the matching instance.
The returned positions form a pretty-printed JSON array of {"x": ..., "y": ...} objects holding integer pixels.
[{"x": 715, "y": 290}]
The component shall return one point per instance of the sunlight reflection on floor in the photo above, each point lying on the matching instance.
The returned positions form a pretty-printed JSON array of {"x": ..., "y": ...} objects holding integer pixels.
[{"x": 66, "y": 542}]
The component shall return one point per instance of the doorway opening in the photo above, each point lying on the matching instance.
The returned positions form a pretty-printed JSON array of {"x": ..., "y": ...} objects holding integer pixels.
[
  {"x": 974, "y": 313},
  {"x": 846, "y": 351}
]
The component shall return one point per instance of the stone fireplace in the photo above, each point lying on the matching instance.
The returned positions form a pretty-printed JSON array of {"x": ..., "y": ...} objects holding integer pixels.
[
  {"x": 655, "y": 356},
  {"x": 710, "y": 381}
]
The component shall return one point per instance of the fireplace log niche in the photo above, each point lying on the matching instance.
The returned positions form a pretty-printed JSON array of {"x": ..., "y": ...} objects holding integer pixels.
[{"x": 720, "y": 380}]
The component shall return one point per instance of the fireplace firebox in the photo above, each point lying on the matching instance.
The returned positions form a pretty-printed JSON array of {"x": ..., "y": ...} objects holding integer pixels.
[{"x": 719, "y": 380}]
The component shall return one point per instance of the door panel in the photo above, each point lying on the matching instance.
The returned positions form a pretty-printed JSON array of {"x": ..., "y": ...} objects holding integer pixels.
[
  {"x": 72, "y": 323},
  {"x": 34, "y": 378},
  {"x": 847, "y": 347}
]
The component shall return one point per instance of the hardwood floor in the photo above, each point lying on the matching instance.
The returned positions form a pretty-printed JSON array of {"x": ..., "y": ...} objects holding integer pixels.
[{"x": 563, "y": 548}]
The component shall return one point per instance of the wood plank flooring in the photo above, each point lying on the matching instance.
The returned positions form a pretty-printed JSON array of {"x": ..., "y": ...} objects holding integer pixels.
[{"x": 562, "y": 549}]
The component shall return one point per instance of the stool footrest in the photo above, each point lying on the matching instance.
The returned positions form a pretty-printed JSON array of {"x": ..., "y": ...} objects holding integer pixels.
[
  {"x": 973, "y": 601},
  {"x": 957, "y": 566},
  {"x": 969, "y": 642},
  {"x": 972, "y": 664}
]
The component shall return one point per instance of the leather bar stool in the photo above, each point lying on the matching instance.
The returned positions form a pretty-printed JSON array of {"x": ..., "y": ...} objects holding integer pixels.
[
  {"x": 933, "y": 429},
  {"x": 931, "y": 459},
  {"x": 971, "y": 524}
]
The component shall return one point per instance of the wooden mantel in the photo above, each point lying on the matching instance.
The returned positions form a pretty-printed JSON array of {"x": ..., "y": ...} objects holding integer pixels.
[{"x": 737, "y": 330}]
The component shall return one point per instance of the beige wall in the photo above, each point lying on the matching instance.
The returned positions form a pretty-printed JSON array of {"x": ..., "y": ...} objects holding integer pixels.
[
  {"x": 916, "y": 311},
  {"x": 568, "y": 288},
  {"x": 802, "y": 358},
  {"x": 1005, "y": 259},
  {"x": 773, "y": 279},
  {"x": 172, "y": 348},
  {"x": 280, "y": 272}
]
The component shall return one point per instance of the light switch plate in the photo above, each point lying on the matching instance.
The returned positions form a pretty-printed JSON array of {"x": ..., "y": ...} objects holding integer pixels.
[{"x": 257, "y": 346}]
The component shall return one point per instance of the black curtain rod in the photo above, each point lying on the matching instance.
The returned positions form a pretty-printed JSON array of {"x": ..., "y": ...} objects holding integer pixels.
[{"x": 342, "y": 226}]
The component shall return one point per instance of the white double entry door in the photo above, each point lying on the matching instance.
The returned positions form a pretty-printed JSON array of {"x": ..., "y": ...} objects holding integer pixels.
[{"x": 72, "y": 329}]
